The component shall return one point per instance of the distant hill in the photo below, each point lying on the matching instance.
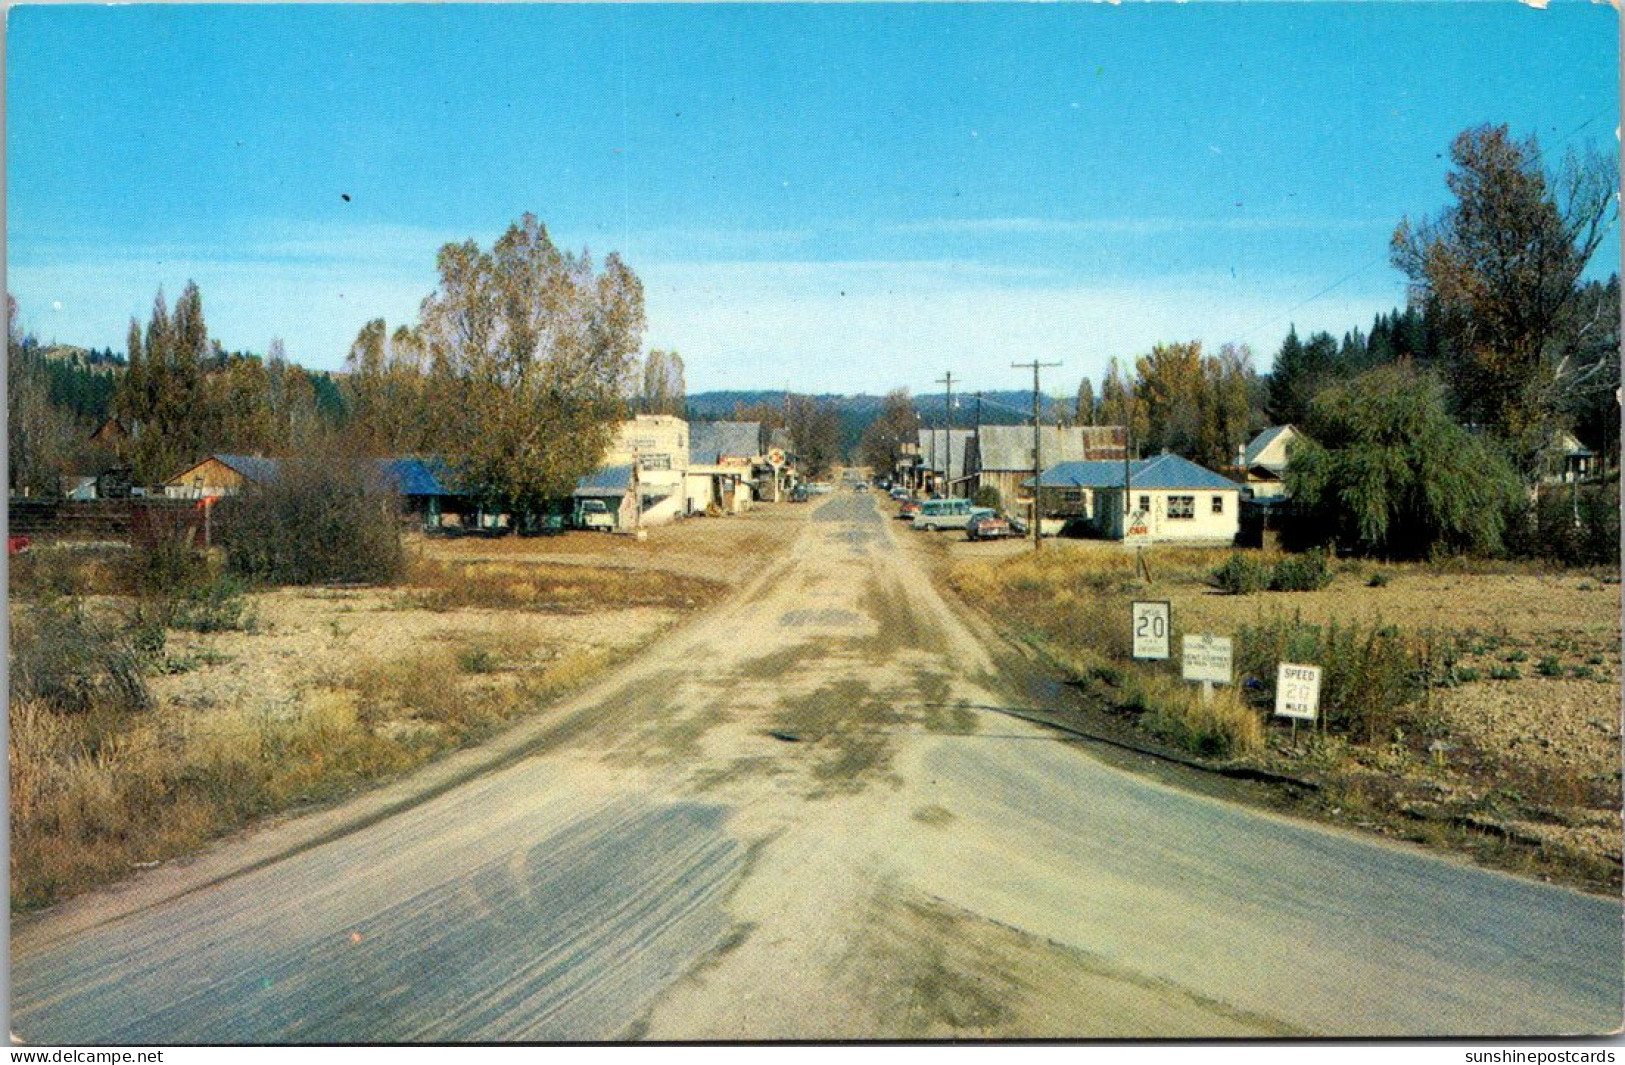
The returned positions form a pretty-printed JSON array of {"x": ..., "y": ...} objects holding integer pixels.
[{"x": 858, "y": 412}]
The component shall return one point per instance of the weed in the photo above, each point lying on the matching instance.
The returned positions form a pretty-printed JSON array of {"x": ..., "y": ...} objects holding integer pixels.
[
  {"x": 218, "y": 606},
  {"x": 1548, "y": 666},
  {"x": 1583, "y": 673},
  {"x": 1467, "y": 674},
  {"x": 1505, "y": 672},
  {"x": 1308, "y": 572},
  {"x": 1242, "y": 574},
  {"x": 477, "y": 660},
  {"x": 68, "y": 661},
  {"x": 1519, "y": 655},
  {"x": 1378, "y": 579}
]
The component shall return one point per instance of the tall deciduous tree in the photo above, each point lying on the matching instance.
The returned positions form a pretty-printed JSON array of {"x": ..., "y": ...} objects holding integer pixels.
[
  {"x": 898, "y": 424},
  {"x": 1502, "y": 266},
  {"x": 532, "y": 348},
  {"x": 1120, "y": 404}
]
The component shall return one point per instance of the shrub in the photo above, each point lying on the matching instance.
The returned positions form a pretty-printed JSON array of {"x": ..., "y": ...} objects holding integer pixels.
[
  {"x": 1308, "y": 572},
  {"x": 1505, "y": 673},
  {"x": 1466, "y": 674},
  {"x": 67, "y": 661},
  {"x": 218, "y": 606},
  {"x": 1368, "y": 674},
  {"x": 987, "y": 496},
  {"x": 1242, "y": 574},
  {"x": 320, "y": 520},
  {"x": 1174, "y": 710},
  {"x": 1548, "y": 666},
  {"x": 1378, "y": 579}
]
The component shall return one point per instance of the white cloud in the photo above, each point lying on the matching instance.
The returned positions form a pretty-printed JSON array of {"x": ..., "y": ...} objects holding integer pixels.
[{"x": 1129, "y": 226}]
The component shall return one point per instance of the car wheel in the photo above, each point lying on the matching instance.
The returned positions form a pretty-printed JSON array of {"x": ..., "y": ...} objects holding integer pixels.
[{"x": 930, "y": 528}]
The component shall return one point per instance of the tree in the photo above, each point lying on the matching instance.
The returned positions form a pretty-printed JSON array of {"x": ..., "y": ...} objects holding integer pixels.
[
  {"x": 664, "y": 389},
  {"x": 1228, "y": 416},
  {"x": 40, "y": 434},
  {"x": 1385, "y": 469},
  {"x": 1086, "y": 411},
  {"x": 1301, "y": 370},
  {"x": 1170, "y": 385},
  {"x": 162, "y": 397},
  {"x": 531, "y": 348},
  {"x": 815, "y": 433},
  {"x": 882, "y": 443},
  {"x": 1120, "y": 404},
  {"x": 1501, "y": 267}
]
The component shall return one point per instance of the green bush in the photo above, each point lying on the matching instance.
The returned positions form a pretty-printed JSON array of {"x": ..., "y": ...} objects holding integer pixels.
[
  {"x": 1242, "y": 574},
  {"x": 1378, "y": 579},
  {"x": 1548, "y": 666},
  {"x": 1308, "y": 572},
  {"x": 987, "y": 496},
  {"x": 321, "y": 520},
  {"x": 1505, "y": 673},
  {"x": 219, "y": 606}
]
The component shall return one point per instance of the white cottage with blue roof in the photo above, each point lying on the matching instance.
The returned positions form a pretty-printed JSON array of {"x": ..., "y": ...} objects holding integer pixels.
[{"x": 1169, "y": 499}]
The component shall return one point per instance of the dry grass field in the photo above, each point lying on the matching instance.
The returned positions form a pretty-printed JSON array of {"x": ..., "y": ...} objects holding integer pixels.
[
  {"x": 1498, "y": 730},
  {"x": 285, "y": 697}
]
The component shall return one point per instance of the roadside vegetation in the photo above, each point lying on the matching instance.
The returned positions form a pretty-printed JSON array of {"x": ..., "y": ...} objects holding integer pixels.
[
  {"x": 1452, "y": 710},
  {"x": 162, "y": 697}
]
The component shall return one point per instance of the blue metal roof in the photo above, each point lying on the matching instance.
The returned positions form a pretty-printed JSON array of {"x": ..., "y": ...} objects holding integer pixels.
[
  {"x": 1162, "y": 471},
  {"x": 418, "y": 477},
  {"x": 609, "y": 480}
]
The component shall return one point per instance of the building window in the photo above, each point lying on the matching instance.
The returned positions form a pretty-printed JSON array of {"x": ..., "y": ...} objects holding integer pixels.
[
  {"x": 1145, "y": 504},
  {"x": 1218, "y": 504},
  {"x": 1181, "y": 507}
]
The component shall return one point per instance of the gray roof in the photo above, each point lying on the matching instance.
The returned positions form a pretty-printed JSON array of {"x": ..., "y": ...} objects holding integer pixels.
[
  {"x": 710, "y": 442},
  {"x": 1163, "y": 471},
  {"x": 937, "y": 444},
  {"x": 1010, "y": 447},
  {"x": 1261, "y": 443},
  {"x": 255, "y": 468}
]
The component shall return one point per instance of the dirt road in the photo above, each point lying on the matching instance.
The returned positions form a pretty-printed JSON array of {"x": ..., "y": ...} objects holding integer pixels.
[{"x": 790, "y": 821}]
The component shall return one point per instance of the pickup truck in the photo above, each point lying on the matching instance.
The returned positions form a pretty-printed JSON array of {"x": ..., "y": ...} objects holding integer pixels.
[{"x": 595, "y": 514}]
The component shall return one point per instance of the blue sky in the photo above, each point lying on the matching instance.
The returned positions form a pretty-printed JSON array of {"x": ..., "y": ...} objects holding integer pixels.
[{"x": 835, "y": 198}]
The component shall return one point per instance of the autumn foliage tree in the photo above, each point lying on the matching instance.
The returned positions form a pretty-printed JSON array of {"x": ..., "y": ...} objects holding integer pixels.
[
  {"x": 882, "y": 443},
  {"x": 1502, "y": 267},
  {"x": 529, "y": 350}
]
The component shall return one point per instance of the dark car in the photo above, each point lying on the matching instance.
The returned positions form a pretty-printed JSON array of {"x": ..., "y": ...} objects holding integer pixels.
[{"x": 988, "y": 526}]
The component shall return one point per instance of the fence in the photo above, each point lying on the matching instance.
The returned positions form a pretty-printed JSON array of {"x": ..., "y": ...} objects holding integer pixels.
[{"x": 134, "y": 521}]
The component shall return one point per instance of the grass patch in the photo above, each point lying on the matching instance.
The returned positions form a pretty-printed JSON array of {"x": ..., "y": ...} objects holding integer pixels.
[{"x": 439, "y": 585}]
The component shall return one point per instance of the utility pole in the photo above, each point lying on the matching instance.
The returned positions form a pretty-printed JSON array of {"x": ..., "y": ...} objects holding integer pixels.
[
  {"x": 948, "y": 419},
  {"x": 1038, "y": 456},
  {"x": 978, "y": 438}
]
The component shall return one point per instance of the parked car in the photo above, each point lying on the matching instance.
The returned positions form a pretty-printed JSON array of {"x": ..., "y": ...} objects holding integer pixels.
[
  {"x": 946, "y": 514},
  {"x": 909, "y": 508},
  {"x": 987, "y": 526},
  {"x": 798, "y": 494}
]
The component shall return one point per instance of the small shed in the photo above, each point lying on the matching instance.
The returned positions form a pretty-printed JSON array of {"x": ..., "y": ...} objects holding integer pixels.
[
  {"x": 1263, "y": 461},
  {"x": 613, "y": 485}
]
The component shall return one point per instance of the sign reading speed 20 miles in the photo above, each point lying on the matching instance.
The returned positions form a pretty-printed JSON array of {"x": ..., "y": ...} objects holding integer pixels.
[
  {"x": 1153, "y": 625},
  {"x": 1297, "y": 691}
]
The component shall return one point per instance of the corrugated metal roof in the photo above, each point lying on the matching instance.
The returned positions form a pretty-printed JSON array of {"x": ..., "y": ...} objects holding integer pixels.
[
  {"x": 255, "y": 468},
  {"x": 418, "y": 476},
  {"x": 710, "y": 442},
  {"x": 1010, "y": 447},
  {"x": 609, "y": 480},
  {"x": 938, "y": 444},
  {"x": 1163, "y": 471}
]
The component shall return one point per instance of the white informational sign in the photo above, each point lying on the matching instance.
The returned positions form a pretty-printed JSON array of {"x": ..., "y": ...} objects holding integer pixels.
[
  {"x": 1153, "y": 630},
  {"x": 1297, "y": 691},
  {"x": 1206, "y": 657}
]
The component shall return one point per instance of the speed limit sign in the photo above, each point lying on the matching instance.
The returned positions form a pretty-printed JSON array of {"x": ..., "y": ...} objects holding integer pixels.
[{"x": 1152, "y": 628}]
